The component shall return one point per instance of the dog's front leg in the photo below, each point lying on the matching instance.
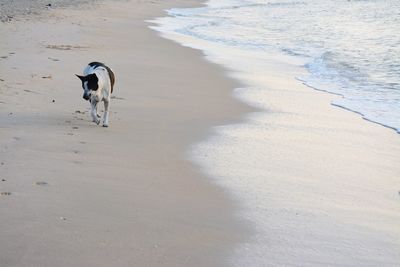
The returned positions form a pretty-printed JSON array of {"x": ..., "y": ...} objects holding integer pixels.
[
  {"x": 106, "y": 107},
  {"x": 93, "y": 112}
]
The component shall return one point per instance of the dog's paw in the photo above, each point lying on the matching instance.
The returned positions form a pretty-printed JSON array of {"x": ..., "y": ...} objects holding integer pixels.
[{"x": 97, "y": 121}]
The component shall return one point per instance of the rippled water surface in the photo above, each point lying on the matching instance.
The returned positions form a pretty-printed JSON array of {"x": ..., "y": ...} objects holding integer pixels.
[{"x": 351, "y": 48}]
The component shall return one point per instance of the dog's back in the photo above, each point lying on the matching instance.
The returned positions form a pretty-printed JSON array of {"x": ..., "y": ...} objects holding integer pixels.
[{"x": 93, "y": 65}]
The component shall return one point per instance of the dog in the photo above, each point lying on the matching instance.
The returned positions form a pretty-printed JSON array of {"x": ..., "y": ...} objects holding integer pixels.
[{"x": 98, "y": 84}]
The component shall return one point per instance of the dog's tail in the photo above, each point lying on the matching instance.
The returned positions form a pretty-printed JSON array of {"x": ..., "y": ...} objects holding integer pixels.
[{"x": 112, "y": 77}]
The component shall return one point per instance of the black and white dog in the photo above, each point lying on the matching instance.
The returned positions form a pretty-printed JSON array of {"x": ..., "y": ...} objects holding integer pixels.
[{"x": 98, "y": 84}]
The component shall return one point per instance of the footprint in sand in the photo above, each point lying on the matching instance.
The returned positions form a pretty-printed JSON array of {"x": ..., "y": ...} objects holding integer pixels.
[
  {"x": 53, "y": 59},
  {"x": 82, "y": 142},
  {"x": 42, "y": 183},
  {"x": 30, "y": 91},
  {"x": 75, "y": 127},
  {"x": 66, "y": 47},
  {"x": 116, "y": 97}
]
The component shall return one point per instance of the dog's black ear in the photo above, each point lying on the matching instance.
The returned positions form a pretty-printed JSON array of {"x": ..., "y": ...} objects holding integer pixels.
[{"x": 82, "y": 78}]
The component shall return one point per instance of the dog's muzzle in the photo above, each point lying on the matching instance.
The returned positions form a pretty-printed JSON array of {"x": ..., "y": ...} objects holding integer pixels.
[{"x": 86, "y": 96}]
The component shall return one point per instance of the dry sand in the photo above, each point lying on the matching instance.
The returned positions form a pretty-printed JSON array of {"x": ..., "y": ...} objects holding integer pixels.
[{"x": 77, "y": 194}]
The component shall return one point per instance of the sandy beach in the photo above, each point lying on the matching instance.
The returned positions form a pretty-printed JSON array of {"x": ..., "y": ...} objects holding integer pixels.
[{"x": 76, "y": 194}]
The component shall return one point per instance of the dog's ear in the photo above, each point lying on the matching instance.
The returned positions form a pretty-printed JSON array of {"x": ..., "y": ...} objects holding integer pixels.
[{"x": 82, "y": 78}]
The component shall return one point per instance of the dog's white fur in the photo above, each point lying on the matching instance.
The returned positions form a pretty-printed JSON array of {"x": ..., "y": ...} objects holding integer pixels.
[{"x": 103, "y": 93}]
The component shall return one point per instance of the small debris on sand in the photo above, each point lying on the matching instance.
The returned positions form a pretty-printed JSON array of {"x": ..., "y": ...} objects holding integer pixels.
[
  {"x": 41, "y": 183},
  {"x": 5, "y": 193},
  {"x": 47, "y": 77},
  {"x": 75, "y": 127}
]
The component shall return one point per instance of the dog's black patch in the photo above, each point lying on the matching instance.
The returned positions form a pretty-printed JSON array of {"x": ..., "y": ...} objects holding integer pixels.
[
  {"x": 92, "y": 82},
  {"x": 110, "y": 72}
]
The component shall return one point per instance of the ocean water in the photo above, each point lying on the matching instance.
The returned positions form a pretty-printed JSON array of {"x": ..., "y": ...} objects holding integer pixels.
[
  {"x": 350, "y": 47},
  {"x": 346, "y": 47}
]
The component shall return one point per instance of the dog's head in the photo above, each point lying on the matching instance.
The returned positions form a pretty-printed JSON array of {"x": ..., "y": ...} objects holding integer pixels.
[{"x": 89, "y": 84}]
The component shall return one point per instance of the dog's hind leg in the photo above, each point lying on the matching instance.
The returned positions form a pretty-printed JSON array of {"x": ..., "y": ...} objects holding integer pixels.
[
  {"x": 106, "y": 112},
  {"x": 93, "y": 112}
]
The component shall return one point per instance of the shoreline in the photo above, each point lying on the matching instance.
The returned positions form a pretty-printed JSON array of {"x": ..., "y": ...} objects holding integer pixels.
[
  {"x": 362, "y": 116},
  {"x": 82, "y": 195}
]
